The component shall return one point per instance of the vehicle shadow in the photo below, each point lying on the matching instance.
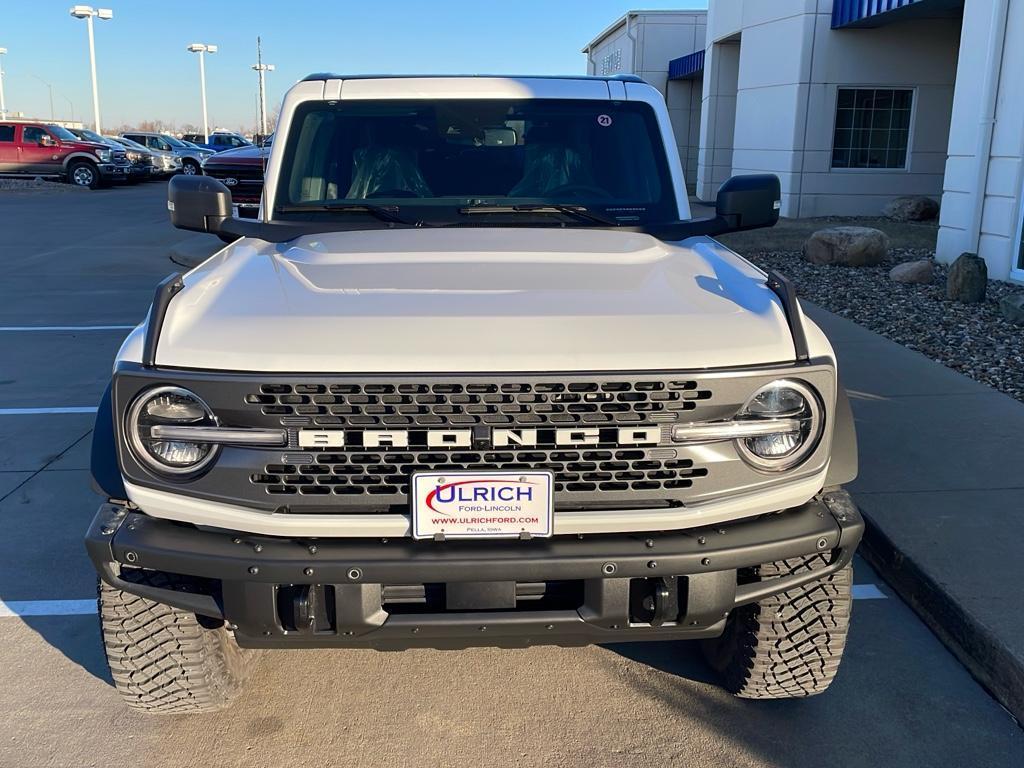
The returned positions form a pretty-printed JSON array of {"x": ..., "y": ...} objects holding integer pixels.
[
  {"x": 45, "y": 569},
  {"x": 77, "y": 638},
  {"x": 681, "y": 658}
]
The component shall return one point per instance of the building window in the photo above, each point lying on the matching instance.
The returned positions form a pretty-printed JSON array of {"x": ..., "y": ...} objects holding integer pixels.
[
  {"x": 872, "y": 128},
  {"x": 612, "y": 62}
]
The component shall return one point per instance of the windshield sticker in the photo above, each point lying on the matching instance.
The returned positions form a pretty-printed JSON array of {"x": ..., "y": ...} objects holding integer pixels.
[{"x": 604, "y": 120}]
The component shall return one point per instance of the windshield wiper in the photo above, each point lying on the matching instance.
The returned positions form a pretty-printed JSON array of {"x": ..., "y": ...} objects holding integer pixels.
[
  {"x": 384, "y": 213},
  {"x": 578, "y": 212}
]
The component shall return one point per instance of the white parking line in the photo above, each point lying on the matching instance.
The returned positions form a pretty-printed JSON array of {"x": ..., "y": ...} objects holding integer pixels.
[
  {"x": 868, "y": 592},
  {"x": 15, "y": 328},
  {"x": 40, "y": 411},
  {"x": 47, "y": 608}
]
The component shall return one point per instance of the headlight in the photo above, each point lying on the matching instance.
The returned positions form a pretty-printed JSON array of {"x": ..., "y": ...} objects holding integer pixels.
[
  {"x": 796, "y": 408},
  {"x": 172, "y": 406},
  {"x": 103, "y": 155}
]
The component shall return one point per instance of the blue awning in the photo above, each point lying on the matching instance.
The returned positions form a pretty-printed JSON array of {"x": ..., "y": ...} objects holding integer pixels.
[
  {"x": 687, "y": 67},
  {"x": 875, "y": 13}
]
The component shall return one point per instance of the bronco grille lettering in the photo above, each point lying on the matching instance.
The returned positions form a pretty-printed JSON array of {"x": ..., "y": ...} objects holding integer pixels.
[{"x": 463, "y": 438}]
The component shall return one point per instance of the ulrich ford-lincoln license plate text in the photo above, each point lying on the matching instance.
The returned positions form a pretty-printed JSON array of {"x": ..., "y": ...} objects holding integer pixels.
[{"x": 481, "y": 505}]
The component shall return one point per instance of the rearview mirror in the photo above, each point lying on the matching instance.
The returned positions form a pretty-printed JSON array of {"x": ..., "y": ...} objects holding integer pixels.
[
  {"x": 499, "y": 137},
  {"x": 749, "y": 202},
  {"x": 198, "y": 203}
]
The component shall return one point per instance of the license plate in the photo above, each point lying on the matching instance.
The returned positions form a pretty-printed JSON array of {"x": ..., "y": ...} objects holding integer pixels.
[
  {"x": 481, "y": 505},
  {"x": 234, "y": 211}
]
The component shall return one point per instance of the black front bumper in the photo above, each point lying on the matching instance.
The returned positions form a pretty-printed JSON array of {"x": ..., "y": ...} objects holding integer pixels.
[
  {"x": 401, "y": 593},
  {"x": 113, "y": 171}
]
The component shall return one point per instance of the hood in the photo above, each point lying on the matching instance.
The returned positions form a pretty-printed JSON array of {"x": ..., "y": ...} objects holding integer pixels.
[
  {"x": 474, "y": 300},
  {"x": 240, "y": 156}
]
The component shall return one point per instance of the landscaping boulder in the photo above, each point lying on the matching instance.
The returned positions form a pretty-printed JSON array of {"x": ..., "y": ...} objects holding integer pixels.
[
  {"x": 920, "y": 271},
  {"x": 968, "y": 279},
  {"x": 847, "y": 246},
  {"x": 1012, "y": 308},
  {"x": 914, "y": 208}
]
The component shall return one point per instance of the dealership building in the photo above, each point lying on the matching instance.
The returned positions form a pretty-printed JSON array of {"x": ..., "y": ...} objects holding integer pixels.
[{"x": 851, "y": 103}]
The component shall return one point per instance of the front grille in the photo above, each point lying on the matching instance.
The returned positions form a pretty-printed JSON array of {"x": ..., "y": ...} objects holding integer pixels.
[
  {"x": 118, "y": 156},
  {"x": 443, "y": 404},
  {"x": 242, "y": 173},
  {"x": 355, "y": 440},
  {"x": 387, "y": 473}
]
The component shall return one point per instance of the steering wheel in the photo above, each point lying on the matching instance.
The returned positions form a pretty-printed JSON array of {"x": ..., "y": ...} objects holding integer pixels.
[{"x": 577, "y": 191}]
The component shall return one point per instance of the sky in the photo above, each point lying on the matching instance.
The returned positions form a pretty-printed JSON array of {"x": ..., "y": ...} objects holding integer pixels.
[{"x": 145, "y": 73}]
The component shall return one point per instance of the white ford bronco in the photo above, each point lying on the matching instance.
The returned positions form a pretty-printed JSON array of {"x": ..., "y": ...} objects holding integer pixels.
[{"x": 473, "y": 377}]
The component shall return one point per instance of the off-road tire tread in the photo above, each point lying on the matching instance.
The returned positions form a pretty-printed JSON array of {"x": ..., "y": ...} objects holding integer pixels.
[
  {"x": 788, "y": 645},
  {"x": 162, "y": 660}
]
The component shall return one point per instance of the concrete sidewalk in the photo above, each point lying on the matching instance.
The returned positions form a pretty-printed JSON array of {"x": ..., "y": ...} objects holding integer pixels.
[{"x": 942, "y": 487}]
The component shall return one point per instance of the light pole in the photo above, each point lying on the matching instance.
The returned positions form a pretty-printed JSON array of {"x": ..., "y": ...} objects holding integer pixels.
[
  {"x": 263, "y": 69},
  {"x": 87, "y": 12},
  {"x": 202, "y": 49},
  {"x": 3, "y": 104},
  {"x": 50, "y": 87}
]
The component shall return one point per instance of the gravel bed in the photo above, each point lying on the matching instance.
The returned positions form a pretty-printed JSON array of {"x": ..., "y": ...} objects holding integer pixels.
[
  {"x": 974, "y": 339},
  {"x": 38, "y": 187}
]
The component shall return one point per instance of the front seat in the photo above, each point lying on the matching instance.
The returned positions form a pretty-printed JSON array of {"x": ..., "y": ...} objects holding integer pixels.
[
  {"x": 386, "y": 172},
  {"x": 550, "y": 163}
]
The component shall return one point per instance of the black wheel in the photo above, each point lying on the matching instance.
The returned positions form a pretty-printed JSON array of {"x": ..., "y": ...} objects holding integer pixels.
[
  {"x": 82, "y": 173},
  {"x": 167, "y": 661},
  {"x": 789, "y": 645},
  {"x": 190, "y": 167}
]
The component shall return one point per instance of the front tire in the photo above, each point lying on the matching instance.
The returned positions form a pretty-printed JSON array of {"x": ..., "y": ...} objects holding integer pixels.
[
  {"x": 788, "y": 645},
  {"x": 164, "y": 660},
  {"x": 84, "y": 174},
  {"x": 191, "y": 168}
]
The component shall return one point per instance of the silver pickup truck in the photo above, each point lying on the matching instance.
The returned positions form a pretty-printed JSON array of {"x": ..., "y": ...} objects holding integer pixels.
[{"x": 474, "y": 376}]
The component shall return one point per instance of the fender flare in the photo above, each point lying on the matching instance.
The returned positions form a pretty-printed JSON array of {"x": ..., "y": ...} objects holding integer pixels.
[
  {"x": 103, "y": 465},
  {"x": 69, "y": 159},
  {"x": 842, "y": 467}
]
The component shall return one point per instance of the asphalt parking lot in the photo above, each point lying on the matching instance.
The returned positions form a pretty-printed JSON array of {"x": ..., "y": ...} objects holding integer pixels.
[{"x": 77, "y": 272}]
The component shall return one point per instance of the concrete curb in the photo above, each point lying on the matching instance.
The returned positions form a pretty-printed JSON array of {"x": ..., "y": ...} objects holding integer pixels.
[{"x": 971, "y": 641}]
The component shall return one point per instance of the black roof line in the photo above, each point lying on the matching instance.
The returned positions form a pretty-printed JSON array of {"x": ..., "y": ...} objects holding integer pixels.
[{"x": 333, "y": 76}]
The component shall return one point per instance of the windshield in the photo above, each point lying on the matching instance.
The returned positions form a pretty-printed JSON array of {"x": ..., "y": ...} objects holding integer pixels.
[
  {"x": 129, "y": 143},
  {"x": 62, "y": 133},
  {"x": 442, "y": 157},
  {"x": 174, "y": 142},
  {"x": 90, "y": 136}
]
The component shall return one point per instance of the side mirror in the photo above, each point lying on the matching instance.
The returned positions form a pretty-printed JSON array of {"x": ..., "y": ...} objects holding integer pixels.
[
  {"x": 47, "y": 141},
  {"x": 749, "y": 202},
  {"x": 198, "y": 203}
]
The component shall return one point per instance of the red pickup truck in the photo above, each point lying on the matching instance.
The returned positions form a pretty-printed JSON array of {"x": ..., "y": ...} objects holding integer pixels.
[{"x": 44, "y": 149}]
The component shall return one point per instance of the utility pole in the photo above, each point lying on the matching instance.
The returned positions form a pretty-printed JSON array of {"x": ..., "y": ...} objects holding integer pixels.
[{"x": 262, "y": 69}]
